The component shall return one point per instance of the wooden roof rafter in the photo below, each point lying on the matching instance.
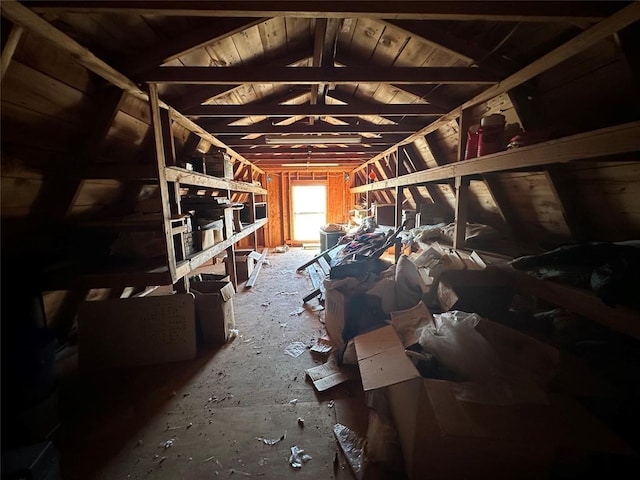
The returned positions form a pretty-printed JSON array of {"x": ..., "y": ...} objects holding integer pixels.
[
  {"x": 314, "y": 75},
  {"x": 527, "y": 11},
  {"x": 622, "y": 18}
]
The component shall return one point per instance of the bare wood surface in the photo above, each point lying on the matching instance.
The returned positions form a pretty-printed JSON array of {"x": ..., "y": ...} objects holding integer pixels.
[
  {"x": 430, "y": 10},
  {"x": 623, "y": 138},
  {"x": 187, "y": 177},
  {"x": 306, "y": 75},
  {"x": 619, "y": 20},
  {"x": 10, "y": 48},
  {"x": 580, "y": 301},
  {"x": 256, "y": 269},
  {"x": 22, "y": 15}
]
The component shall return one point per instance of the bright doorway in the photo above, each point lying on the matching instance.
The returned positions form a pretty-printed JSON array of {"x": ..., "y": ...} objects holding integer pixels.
[{"x": 309, "y": 204}]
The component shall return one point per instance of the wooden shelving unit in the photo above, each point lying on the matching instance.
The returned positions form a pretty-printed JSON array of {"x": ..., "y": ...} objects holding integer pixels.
[{"x": 602, "y": 144}]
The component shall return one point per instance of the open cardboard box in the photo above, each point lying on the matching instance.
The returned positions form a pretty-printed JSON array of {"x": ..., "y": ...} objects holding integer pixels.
[{"x": 445, "y": 438}]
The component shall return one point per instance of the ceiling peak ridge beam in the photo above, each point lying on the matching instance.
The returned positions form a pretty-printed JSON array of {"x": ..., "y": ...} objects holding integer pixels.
[
  {"x": 21, "y": 15},
  {"x": 521, "y": 11},
  {"x": 619, "y": 20},
  {"x": 310, "y": 75},
  {"x": 380, "y": 109}
]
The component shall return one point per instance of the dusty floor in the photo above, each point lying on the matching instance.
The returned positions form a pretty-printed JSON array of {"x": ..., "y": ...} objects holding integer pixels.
[{"x": 214, "y": 409}]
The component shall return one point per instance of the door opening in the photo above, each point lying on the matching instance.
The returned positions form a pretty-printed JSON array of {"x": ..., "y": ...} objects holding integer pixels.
[{"x": 309, "y": 204}]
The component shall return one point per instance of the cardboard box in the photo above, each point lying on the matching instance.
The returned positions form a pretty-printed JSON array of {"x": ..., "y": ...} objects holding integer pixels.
[
  {"x": 245, "y": 262},
  {"x": 443, "y": 437},
  {"x": 136, "y": 331},
  {"x": 214, "y": 310}
]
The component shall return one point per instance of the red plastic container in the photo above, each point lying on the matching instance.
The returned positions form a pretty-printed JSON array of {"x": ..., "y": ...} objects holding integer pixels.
[
  {"x": 490, "y": 139},
  {"x": 473, "y": 137}
]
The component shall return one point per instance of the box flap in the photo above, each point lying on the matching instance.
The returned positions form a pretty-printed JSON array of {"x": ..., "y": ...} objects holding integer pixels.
[
  {"x": 382, "y": 360},
  {"x": 227, "y": 291},
  {"x": 255, "y": 255}
]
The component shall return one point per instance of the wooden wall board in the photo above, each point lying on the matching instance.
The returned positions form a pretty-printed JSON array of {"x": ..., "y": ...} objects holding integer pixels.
[
  {"x": 609, "y": 193},
  {"x": 366, "y": 35},
  {"x": 389, "y": 46},
  {"x": 415, "y": 52},
  {"x": 533, "y": 200},
  {"x": 33, "y": 90},
  {"x": 93, "y": 196},
  {"x": 300, "y": 33},
  {"x": 21, "y": 125},
  {"x": 248, "y": 44},
  {"x": 338, "y": 198},
  {"x": 273, "y": 36},
  {"x": 54, "y": 62}
]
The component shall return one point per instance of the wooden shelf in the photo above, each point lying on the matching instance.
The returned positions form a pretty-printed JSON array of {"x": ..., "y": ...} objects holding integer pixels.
[
  {"x": 144, "y": 272},
  {"x": 577, "y": 300},
  {"x": 187, "y": 177},
  {"x": 616, "y": 140}
]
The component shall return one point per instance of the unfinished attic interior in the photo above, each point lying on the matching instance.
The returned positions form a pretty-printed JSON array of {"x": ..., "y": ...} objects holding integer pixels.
[{"x": 365, "y": 240}]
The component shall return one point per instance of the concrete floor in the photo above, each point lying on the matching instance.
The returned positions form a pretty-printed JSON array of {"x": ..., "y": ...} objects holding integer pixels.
[{"x": 215, "y": 408}]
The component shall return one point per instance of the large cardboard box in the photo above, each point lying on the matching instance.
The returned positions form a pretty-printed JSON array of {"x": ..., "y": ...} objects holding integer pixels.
[
  {"x": 214, "y": 310},
  {"x": 136, "y": 331},
  {"x": 443, "y": 437}
]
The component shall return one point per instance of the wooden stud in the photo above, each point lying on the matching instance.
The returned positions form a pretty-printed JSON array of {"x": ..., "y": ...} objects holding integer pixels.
[
  {"x": 9, "y": 48},
  {"x": 462, "y": 202}
]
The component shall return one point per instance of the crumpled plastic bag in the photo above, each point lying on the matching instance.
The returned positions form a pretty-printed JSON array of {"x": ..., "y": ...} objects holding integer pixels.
[
  {"x": 298, "y": 457},
  {"x": 457, "y": 344}
]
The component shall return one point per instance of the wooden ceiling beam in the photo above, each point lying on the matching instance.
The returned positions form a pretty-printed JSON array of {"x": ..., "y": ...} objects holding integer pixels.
[
  {"x": 309, "y": 75},
  {"x": 197, "y": 95},
  {"x": 23, "y": 16},
  {"x": 266, "y": 128},
  {"x": 363, "y": 108},
  {"x": 524, "y": 11},
  {"x": 235, "y": 142},
  {"x": 292, "y": 150},
  {"x": 619, "y": 20}
]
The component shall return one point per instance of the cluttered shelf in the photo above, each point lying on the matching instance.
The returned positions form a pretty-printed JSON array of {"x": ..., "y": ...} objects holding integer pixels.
[
  {"x": 113, "y": 272},
  {"x": 189, "y": 177},
  {"x": 609, "y": 302},
  {"x": 598, "y": 143}
]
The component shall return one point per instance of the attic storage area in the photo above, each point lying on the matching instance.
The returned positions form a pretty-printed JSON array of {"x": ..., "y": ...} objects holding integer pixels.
[{"x": 159, "y": 293}]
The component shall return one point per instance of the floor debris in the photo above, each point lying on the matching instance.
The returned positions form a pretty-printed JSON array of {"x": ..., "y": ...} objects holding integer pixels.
[
  {"x": 353, "y": 448},
  {"x": 295, "y": 349},
  {"x": 298, "y": 457},
  {"x": 272, "y": 441}
]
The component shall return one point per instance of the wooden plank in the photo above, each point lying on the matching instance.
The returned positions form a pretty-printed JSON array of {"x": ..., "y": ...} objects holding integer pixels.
[
  {"x": 579, "y": 301},
  {"x": 353, "y": 109},
  {"x": 206, "y": 255},
  {"x": 188, "y": 42},
  {"x": 256, "y": 269},
  {"x": 619, "y": 20},
  {"x": 10, "y": 48},
  {"x": 615, "y": 140},
  {"x": 561, "y": 11},
  {"x": 187, "y": 177},
  {"x": 266, "y": 128},
  {"x": 21, "y": 15},
  {"x": 462, "y": 205},
  {"x": 306, "y": 75},
  {"x": 160, "y": 144}
]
